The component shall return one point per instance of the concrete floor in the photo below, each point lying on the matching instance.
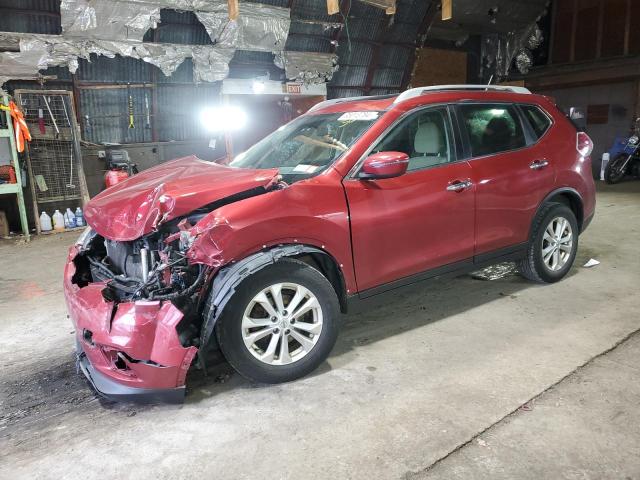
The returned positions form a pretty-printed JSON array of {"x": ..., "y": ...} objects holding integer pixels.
[{"x": 461, "y": 379}]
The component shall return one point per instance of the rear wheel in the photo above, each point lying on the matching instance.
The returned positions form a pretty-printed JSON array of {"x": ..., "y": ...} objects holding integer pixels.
[
  {"x": 281, "y": 323},
  {"x": 614, "y": 171},
  {"x": 553, "y": 246}
]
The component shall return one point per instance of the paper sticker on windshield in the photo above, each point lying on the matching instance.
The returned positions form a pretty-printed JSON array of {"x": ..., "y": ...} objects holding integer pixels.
[
  {"x": 358, "y": 116},
  {"x": 305, "y": 168}
]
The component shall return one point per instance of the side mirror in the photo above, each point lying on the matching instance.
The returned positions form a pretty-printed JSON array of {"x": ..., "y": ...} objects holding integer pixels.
[{"x": 384, "y": 165}]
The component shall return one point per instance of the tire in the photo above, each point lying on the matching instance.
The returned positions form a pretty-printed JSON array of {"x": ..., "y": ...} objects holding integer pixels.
[
  {"x": 611, "y": 173},
  {"x": 535, "y": 265},
  {"x": 233, "y": 329}
]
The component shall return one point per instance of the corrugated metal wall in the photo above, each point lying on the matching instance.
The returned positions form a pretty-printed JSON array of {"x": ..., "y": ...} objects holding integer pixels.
[
  {"x": 374, "y": 51},
  {"x": 35, "y": 16}
]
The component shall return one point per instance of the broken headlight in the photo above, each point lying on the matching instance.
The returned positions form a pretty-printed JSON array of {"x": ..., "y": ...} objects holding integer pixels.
[{"x": 85, "y": 238}]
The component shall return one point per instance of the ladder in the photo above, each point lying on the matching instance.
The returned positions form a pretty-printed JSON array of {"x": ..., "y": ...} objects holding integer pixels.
[{"x": 6, "y": 132}]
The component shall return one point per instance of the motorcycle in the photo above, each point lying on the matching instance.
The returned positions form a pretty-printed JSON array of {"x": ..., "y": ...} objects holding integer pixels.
[{"x": 626, "y": 162}]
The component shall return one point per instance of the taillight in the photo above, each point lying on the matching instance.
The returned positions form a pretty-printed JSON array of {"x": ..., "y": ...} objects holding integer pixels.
[{"x": 584, "y": 145}]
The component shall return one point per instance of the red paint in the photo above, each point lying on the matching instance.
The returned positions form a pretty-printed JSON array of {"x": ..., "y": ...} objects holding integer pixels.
[
  {"x": 405, "y": 225},
  {"x": 143, "y": 330},
  {"x": 377, "y": 230},
  {"x": 385, "y": 165},
  {"x": 134, "y": 207},
  {"x": 236, "y": 230},
  {"x": 111, "y": 177}
]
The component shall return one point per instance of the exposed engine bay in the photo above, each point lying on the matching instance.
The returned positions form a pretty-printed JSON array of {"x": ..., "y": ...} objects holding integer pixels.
[{"x": 153, "y": 267}]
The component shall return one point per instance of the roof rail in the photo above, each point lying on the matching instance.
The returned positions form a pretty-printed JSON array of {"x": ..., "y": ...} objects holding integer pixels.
[
  {"x": 335, "y": 101},
  {"x": 416, "y": 92}
]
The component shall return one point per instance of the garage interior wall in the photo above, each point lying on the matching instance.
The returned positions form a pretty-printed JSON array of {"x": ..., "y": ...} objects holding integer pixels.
[
  {"x": 594, "y": 63},
  {"x": 617, "y": 99}
]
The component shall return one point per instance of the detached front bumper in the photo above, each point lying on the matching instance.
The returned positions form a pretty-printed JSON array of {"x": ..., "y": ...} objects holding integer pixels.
[
  {"x": 113, "y": 390},
  {"x": 130, "y": 350}
]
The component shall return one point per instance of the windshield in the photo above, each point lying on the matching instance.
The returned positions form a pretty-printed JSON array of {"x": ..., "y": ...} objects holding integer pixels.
[{"x": 308, "y": 145}]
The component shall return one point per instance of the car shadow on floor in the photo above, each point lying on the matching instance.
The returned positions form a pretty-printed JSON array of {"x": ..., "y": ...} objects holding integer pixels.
[{"x": 385, "y": 316}]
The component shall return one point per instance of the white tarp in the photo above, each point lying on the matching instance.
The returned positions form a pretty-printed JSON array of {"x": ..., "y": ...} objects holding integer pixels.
[
  {"x": 107, "y": 19},
  {"x": 258, "y": 27},
  {"x": 116, "y": 27},
  {"x": 38, "y": 52},
  {"x": 307, "y": 67}
]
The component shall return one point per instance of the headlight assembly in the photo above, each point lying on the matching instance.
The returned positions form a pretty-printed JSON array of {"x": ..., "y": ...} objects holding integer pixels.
[{"x": 85, "y": 238}]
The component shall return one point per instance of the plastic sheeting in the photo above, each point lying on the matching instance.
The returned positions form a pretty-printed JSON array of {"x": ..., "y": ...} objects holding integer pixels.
[
  {"x": 307, "y": 67},
  {"x": 499, "y": 51},
  {"x": 37, "y": 52},
  {"x": 107, "y": 19},
  {"x": 18, "y": 65},
  {"x": 258, "y": 27},
  {"x": 114, "y": 27}
]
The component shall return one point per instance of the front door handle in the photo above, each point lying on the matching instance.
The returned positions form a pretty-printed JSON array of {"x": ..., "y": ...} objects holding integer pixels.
[
  {"x": 538, "y": 164},
  {"x": 459, "y": 185}
]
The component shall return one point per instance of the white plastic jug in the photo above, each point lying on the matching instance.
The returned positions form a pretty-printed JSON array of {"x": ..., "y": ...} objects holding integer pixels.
[
  {"x": 79, "y": 217},
  {"x": 45, "y": 222},
  {"x": 603, "y": 165},
  {"x": 58, "y": 221},
  {"x": 69, "y": 219}
]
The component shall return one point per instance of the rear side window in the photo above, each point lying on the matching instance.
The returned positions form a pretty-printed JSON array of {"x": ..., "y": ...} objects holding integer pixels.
[
  {"x": 492, "y": 128},
  {"x": 538, "y": 120}
]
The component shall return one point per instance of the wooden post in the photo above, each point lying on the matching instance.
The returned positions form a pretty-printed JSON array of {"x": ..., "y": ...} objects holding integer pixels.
[
  {"x": 600, "y": 29},
  {"x": 574, "y": 24},
  {"x": 233, "y": 9},
  {"x": 627, "y": 28},
  {"x": 333, "y": 7},
  {"x": 447, "y": 9}
]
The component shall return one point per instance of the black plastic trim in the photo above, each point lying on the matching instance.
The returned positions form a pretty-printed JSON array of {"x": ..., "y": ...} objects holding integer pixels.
[
  {"x": 561, "y": 190},
  {"x": 113, "y": 390},
  {"x": 586, "y": 222},
  {"x": 507, "y": 254}
]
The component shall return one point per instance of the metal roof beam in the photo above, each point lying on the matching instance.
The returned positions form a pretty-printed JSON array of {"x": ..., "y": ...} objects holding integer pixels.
[{"x": 31, "y": 12}]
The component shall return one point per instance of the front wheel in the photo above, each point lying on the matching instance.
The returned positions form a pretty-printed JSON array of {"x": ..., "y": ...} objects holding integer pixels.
[
  {"x": 553, "y": 245},
  {"x": 616, "y": 169},
  {"x": 281, "y": 323}
]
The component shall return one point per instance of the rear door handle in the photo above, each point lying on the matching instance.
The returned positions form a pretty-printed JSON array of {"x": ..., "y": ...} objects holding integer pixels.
[
  {"x": 459, "y": 185},
  {"x": 538, "y": 164}
]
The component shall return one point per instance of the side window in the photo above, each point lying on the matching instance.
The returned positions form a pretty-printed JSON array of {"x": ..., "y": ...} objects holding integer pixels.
[
  {"x": 492, "y": 128},
  {"x": 424, "y": 136},
  {"x": 538, "y": 120}
]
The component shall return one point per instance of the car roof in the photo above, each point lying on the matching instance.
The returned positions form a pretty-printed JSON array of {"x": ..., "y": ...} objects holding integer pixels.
[{"x": 426, "y": 95}]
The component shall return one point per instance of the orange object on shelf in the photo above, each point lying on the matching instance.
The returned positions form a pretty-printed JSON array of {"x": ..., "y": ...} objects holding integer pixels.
[
  {"x": 8, "y": 174},
  {"x": 20, "y": 129}
]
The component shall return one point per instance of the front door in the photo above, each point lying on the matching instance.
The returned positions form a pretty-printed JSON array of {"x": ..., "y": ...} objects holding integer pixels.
[{"x": 424, "y": 219}]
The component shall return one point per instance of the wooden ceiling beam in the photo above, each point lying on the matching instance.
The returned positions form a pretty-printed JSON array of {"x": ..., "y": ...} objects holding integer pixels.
[{"x": 234, "y": 10}]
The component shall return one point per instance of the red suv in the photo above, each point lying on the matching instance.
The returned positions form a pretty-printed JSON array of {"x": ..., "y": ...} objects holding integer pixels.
[{"x": 358, "y": 197}]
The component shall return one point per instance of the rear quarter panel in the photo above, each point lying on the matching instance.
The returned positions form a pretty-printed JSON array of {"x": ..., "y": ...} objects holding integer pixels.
[{"x": 572, "y": 169}]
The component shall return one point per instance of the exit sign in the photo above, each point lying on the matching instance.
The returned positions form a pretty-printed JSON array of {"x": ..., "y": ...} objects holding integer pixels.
[{"x": 294, "y": 88}]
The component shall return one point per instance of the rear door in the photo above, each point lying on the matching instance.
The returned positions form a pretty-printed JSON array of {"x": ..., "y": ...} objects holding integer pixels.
[
  {"x": 421, "y": 220},
  {"x": 511, "y": 170}
]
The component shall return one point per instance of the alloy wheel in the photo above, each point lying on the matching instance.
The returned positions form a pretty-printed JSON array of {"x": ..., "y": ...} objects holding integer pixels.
[
  {"x": 557, "y": 244},
  {"x": 282, "y": 323}
]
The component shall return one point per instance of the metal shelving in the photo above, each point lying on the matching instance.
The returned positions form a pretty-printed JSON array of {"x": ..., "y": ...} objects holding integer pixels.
[{"x": 6, "y": 131}]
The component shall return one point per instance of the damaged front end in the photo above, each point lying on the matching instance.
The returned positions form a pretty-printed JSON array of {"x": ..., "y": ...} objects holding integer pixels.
[{"x": 137, "y": 304}]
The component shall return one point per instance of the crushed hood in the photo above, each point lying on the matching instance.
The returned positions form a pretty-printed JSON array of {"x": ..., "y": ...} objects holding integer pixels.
[{"x": 138, "y": 205}]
